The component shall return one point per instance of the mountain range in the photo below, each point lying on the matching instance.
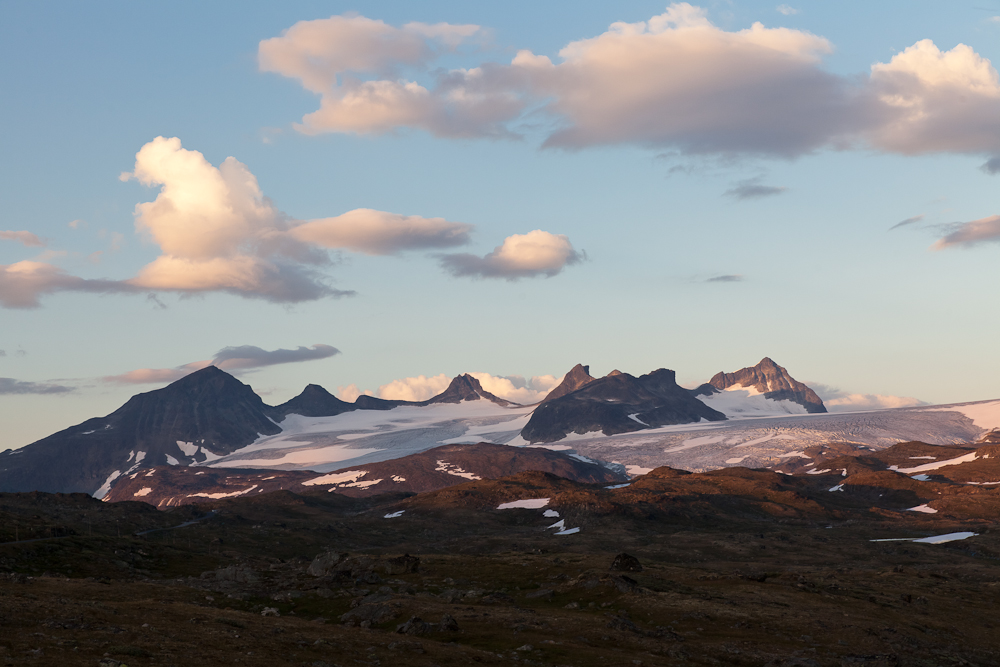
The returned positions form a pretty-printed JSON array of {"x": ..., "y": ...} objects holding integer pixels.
[{"x": 210, "y": 420}]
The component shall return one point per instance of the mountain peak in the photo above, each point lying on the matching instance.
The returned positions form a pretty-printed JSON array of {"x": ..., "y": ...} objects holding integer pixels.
[
  {"x": 315, "y": 401},
  {"x": 772, "y": 380},
  {"x": 465, "y": 388},
  {"x": 578, "y": 377}
]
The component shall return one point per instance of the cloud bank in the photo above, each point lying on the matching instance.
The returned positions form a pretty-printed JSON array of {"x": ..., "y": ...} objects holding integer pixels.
[
  {"x": 675, "y": 81},
  {"x": 836, "y": 400},
  {"x": 217, "y": 232},
  {"x": 230, "y": 359},
  {"x": 513, "y": 388}
]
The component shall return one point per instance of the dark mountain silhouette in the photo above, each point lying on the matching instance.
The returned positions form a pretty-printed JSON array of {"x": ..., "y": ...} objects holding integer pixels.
[
  {"x": 209, "y": 411},
  {"x": 315, "y": 401},
  {"x": 618, "y": 404},
  {"x": 578, "y": 377},
  {"x": 465, "y": 388},
  {"x": 768, "y": 378}
]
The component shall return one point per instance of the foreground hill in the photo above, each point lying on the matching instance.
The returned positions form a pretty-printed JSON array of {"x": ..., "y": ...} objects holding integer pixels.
[
  {"x": 417, "y": 473},
  {"x": 735, "y": 566}
]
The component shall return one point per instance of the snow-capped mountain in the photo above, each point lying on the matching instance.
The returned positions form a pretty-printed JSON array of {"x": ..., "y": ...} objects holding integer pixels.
[
  {"x": 766, "y": 389},
  {"x": 212, "y": 420}
]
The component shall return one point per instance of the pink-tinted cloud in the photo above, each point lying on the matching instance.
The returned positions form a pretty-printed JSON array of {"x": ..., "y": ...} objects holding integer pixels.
[
  {"x": 675, "y": 81},
  {"x": 22, "y": 237},
  {"x": 23, "y": 283},
  {"x": 973, "y": 233},
  {"x": 536, "y": 253}
]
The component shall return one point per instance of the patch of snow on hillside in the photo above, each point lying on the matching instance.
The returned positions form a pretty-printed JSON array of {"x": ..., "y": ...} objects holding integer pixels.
[
  {"x": 359, "y": 485},
  {"x": 452, "y": 469},
  {"x": 635, "y": 471},
  {"x": 635, "y": 417},
  {"x": 131, "y": 455},
  {"x": 560, "y": 524},
  {"x": 582, "y": 459},
  {"x": 568, "y": 531},
  {"x": 550, "y": 514},
  {"x": 216, "y": 496},
  {"x": 527, "y": 504},
  {"x": 394, "y": 515},
  {"x": 619, "y": 486},
  {"x": 971, "y": 456},
  {"x": 144, "y": 491},
  {"x": 339, "y": 478},
  {"x": 738, "y": 459},
  {"x": 921, "y": 478},
  {"x": 189, "y": 448},
  {"x": 103, "y": 490},
  {"x": 925, "y": 509},
  {"x": 398, "y": 479},
  {"x": 947, "y": 537},
  {"x": 171, "y": 460}
]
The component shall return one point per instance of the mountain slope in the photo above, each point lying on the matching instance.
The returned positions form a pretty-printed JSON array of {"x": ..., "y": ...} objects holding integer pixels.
[
  {"x": 617, "y": 404},
  {"x": 315, "y": 401},
  {"x": 577, "y": 378},
  {"x": 427, "y": 471},
  {"x": 766, "y": 388},
  {"x": 199, "y": 417}
]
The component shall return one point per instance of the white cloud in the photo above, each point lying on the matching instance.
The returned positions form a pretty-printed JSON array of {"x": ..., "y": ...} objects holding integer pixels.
[
  {"x": 533, "y": 254},
  {"x": 418, "y": 388},
  {"x": 217, "y": 232},
  {"x": 516, "y": 389},
  {"x": 675, "y": 81},
  {"x": 937, "y": 101},
  {"x": 22, "y": 237},
  {"x": 972, "y": 233},
  {"x": 836, "y": 400},
  {"x": 852, "y": 402},
  {"x": 380, "y": 233},
  {"x": 786, "y": 10},
  {"x": 351, "y": 392}
]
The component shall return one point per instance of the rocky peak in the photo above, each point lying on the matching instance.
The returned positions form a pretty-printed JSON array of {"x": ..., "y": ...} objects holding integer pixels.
[
  {"x": 465, "y": 388},
  {"x": 315, "y": 401},
  {"x": 772, "y": 380},
  {"x": 578, "y": 377}
]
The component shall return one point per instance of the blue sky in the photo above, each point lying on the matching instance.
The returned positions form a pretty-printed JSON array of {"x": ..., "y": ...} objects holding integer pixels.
[{"x": 639, "y": 212}]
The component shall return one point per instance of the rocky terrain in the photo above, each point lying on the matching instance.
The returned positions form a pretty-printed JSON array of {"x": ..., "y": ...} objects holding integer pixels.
[
  {"x": 617, "y": 403},
  {"x": 735, "y": 567},
  {"x": 169, "y": 486},
  {"x": 767, "y": 380}
]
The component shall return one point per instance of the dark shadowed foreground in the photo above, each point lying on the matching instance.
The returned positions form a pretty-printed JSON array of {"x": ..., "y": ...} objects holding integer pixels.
[{"x": 734, "y": 567}]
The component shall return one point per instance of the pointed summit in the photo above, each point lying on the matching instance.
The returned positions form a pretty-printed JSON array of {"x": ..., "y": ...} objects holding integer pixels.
[
  {"x": 315, "y": 401},
  {"x": 771, "y": 380},
  {"x": 578, "y": 377},
  {"x": 465, "y": 388}
]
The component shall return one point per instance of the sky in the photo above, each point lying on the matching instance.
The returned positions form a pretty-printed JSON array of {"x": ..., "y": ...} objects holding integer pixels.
[{"x": 378, "y": 196}]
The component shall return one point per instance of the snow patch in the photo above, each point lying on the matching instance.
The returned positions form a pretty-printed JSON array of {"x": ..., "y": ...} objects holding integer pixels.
[
  {"x": 568, "y": 531},
  {"x": 337, "y": 478},
  {"x": 619, "y": 486},
  {"x": 550, "y": 514},
  {"x": 103, "y": 490},
  {"x": 394, "y": 515},
  {"x": 947, "y": 537},
  {"x": 189, "y": 448},
  {"x": 171, "y": 460},
  {"x": 216, "y": 496},
  {"x": 527, "y": 504},
  {"x": 452, "y": 469},
  {"x": 635, "y": 417},
  {"x": 925, "y": 509},
  {"x": 635, "y": 471},
  {"x": 971, "y": 456},
  {"x": 582, "y": 459},
  {"x": 144, "y": 491},
  {"x": 839, "y": 487},
  {"x": 398, "y": 479}
]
